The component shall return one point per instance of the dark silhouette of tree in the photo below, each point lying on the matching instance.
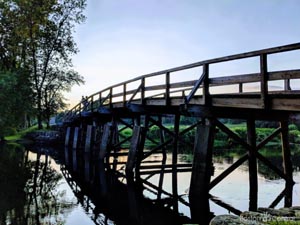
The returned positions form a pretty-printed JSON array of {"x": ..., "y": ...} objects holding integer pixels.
[{"x": 37, "y": 36}]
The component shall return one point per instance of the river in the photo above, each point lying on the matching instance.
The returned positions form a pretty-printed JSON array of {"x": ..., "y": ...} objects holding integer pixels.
[{"x": 37, "y": 188}]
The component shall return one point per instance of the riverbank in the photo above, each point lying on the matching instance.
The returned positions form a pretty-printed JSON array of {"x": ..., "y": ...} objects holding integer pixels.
[
  {"x": 283, "y": 216},
  {"x": 34, "y": 135}
]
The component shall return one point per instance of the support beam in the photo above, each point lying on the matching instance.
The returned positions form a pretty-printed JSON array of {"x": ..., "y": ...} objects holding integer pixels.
[
  {"x": 287, "y": 163},
  {"x": 87, "y": 152},
  {"x": 75, "y": 138},
  {"x": 252, "y": 163},
  {"x": 201, "y": 172},
  {"x": 174, "y": 161},
  {"x": 137, "y": 145},
  {"x": 68, "y": 136}
]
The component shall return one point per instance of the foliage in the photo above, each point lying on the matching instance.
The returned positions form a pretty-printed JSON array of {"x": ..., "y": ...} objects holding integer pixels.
[
  {"x": 37, "y": 37},
  {"x": 15, "y": 101}
]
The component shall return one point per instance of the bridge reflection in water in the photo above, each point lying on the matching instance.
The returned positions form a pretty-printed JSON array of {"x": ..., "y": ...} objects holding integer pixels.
[
  {"x": 94, "y": 128},
  {"x": 111, "y": 195}
]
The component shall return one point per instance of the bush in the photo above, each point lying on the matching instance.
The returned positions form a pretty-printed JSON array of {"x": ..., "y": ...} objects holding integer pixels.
[{"x": 8, "y": 131}]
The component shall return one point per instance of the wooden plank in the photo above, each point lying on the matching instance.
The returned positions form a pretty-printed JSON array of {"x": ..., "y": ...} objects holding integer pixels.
[
  {"x": 234, "y": 79},
  {"x": 285, "y": 74},
  {"x": 286, "y": 104}
]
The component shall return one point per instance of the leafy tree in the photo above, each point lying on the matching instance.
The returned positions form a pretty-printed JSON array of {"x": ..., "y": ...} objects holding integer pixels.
[
  {"x": 37, "y": 36},
  {"x": 15, "y": 98}
]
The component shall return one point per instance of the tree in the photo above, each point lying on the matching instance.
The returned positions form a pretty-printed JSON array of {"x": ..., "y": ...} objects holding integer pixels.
[{"x": 38, "y": 36}]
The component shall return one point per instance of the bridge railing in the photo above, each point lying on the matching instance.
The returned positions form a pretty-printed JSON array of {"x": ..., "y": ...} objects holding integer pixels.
[{"x": 139, "y": 90}]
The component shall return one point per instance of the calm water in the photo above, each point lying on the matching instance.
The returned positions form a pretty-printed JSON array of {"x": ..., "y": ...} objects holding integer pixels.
[{"x": 36, "y": 188}]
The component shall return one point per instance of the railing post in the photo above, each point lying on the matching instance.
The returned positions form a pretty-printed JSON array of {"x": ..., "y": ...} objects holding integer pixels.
[
  {"x": 124, "y": 94},
  {"x": 143, "y": 91},
  {"x": 240, "y": 87},
  {"x": 100, "y": 98},
  {"x": 92, "y": 103},
  {"x": 167, "y": 96},
  {"x": 206, "y": 97},
  {"x": 287, "y": 85},
  {"x": 252, "y": 162},
  {"x": 264, "y": 80},
  {"x": 110, "y": 97}
]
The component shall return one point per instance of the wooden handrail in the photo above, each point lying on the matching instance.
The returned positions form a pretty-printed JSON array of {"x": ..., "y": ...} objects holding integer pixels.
[{"x": 191, "y": 86}]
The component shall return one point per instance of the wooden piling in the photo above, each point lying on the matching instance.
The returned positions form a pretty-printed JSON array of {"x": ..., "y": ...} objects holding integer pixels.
[
  {"x": 87, "y": 152},
  {"x": 201, "y": 172},
  {"x": 252, "y": 162},
  {"x": 174, "y": 162},
  {"x": 68, "y": 136},
  {"x": 75, "y": 138},
  {"x": 136, "y": 147},
  {"x": 287, "y": 163}
]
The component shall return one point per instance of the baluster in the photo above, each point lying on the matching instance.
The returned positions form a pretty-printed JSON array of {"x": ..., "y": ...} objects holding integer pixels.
[
  {"x": 264, "y": 80},
  {"x": 124, "y": 94},
  {"x": 143, "y": 91},
  {"x": 167, "y": 96}
]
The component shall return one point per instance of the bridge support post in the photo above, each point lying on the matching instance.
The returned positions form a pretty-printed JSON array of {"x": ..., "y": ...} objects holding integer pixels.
[
  {"x": 252, "y": 162},
  {"x": 87, "y": 152},
  {"x": 68, "y": 136},
  {"x": 75, "y": 138},
  {"x": 201, "y": 172},
  {"x": 287, "y": 164},
  {"x": 135, "y": 151},
  {"x": 174, "y": 162}
]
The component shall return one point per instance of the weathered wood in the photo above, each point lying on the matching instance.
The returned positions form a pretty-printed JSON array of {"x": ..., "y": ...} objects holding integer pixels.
[
  {"x": 76, "y": 138},
  {"x": 88, "y": 138},
  {"x": 202, "y": 171},
  {"x": 67, "y": 156},
  {"x": 264, "y": 81},
  {"x": 135, "y": 146},
  {"x": 167, "y": 96},
  {"x": 174, "y": 161},
  {"x": 287, "y": 163},
  {"x": 105, "y": 140},
  {"x": 68, "y": 136},
  {"x": 253, "y": 183},
  {"x": 206, "y": 95}
]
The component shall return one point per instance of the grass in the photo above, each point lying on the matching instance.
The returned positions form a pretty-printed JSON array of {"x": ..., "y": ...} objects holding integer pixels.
[{"x": 19, "y": 135}]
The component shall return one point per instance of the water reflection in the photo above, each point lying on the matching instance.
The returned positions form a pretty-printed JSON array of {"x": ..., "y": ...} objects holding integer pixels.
[
  {"x": 29, "y": 188},
  {"x": 34, "y": 189}
]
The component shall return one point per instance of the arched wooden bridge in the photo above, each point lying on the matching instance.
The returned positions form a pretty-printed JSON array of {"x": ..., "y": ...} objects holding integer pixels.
[{"x": 94, "y": 126}]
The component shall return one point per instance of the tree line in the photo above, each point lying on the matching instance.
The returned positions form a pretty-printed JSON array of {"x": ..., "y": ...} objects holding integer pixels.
[{"x": 36, "y": 49}]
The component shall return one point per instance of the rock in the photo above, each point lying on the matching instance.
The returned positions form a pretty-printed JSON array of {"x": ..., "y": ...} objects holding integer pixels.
[
  {"x": 277, "y": 212},
  {"x": 225, "y": 219},
  {"x": 232, "y": 220}
]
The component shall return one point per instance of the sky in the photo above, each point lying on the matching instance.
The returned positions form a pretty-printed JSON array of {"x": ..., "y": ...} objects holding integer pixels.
[{"x": 123, "y": 39}]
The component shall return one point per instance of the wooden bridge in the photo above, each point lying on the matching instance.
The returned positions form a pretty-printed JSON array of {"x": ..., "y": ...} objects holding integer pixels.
[{"x": 94, "y": 126}]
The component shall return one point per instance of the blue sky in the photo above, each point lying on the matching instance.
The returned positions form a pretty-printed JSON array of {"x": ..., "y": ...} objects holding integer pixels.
[{"x": 122, "y": 39}]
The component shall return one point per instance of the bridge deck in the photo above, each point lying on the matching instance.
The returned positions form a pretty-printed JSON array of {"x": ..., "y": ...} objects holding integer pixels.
[{"x": 266, "y": 90}]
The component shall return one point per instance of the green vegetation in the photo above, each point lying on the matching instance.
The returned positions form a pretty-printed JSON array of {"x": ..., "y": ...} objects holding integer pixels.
[{"x": 36, "y": 52}]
